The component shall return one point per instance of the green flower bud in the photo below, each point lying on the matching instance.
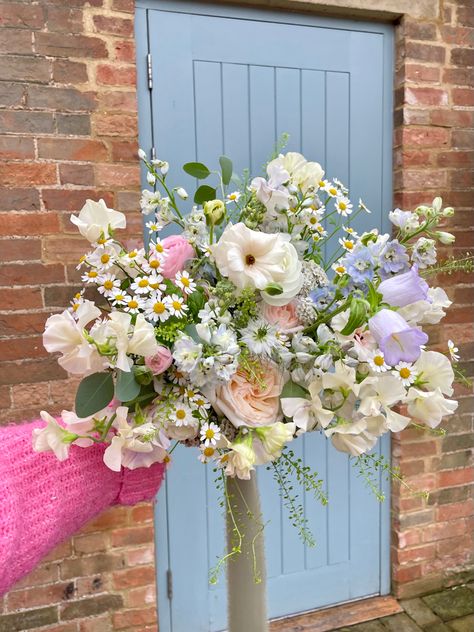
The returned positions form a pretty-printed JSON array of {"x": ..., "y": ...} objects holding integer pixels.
[
  {"x": 214, "y": 211},
  {"x": 448, "y": 211},
  {"x": 445, "y": 238}
]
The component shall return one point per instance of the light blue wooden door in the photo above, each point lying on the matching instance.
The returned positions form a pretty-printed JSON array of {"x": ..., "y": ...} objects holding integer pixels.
[{"x": 230, "y": 80}]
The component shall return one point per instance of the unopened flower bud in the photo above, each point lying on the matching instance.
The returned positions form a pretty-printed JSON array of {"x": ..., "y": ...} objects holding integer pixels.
[
  {"x": 142, "y": 154},
  {"x": 437, "y": 204},
  {"x": 183, "y": 194},
  {"x": 445, "y": 238},
  {"x": 150, "y": 178},
  {"x": 448, "y": 211},
  {"x": 214, "y": 211}
]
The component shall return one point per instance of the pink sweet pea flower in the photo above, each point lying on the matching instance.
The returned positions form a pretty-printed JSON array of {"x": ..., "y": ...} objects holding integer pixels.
[{"x": 398, "y": 341}]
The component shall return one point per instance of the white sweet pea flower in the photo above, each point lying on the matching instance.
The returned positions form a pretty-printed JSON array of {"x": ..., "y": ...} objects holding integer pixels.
[
  {"x": 271, "y": 441},
  {"x": 52, "y": 438},
  {"x": 429, "y": 407},
  {"x": 95, "y": 219},
  {"x": 251, "y": 258},
  {"x": 307, "y": 413},
  {"x": 357, "y": 437},
  {"x": 241, "y": 459},
  {"x": 428, "y": 312},
  {"x": 305, "y": 175},
  {"x": 65, "y": 334},
  {"x": 271, "y": 192},
  {"x": 435, "y": 371}
]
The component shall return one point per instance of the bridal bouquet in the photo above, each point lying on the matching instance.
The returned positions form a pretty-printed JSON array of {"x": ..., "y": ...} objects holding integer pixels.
[{"x": 240, "y": 333}]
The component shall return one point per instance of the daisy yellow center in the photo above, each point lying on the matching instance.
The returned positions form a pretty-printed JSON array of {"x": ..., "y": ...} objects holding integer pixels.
[
  {"x": 405, "y": 373},
  {"x": 232, "y": 196},
  {"x": 200, "y": 402},
  {"x": 159, "y": 248},
  {"x": 108, "y": 285},
  {"x": 321, "y": 183},
  {"x": 250, "y": 260},
  {"x": 340, "y": 269},
  {"x": 313, "y": 220},
  {"x": 78, "y": 295},
  {"x": 210, "y": 433},
  {"x": 349, "y": 245},
  {"x": 132, "y": 254},
  {"x": 154, "y": 263},
  {"x": 143, "y": 283},
  {"x": 82, "y": 259},
  {"x": 154, "y": 286},
  {"x": 180, "y": 414},
  {"x": 119, "y": 297},
  {"x": 92, "y": 274},
  {"x": 208, "y": 451},
  {"x": 101, "y": 240},
  {"x": 132, "y": 304},
  {"x": 105, "y": 258},
  {"x": 75, "y": 306},
  {"x": 167, "y": 459},
  {"x": 159, "y": 307},
  {"x": 342, "y": 206},
  {"x": 378, "y": 360},
  {"x": 333, "y": 191},
  {"x": 177, "y": 305},
  {"x": 185, "y": 281}
]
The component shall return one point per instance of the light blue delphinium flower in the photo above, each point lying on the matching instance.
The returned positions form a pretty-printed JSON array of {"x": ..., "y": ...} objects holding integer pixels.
[
  {"x": 360, "y": 265},
  {"x": 393, "y": 259}
]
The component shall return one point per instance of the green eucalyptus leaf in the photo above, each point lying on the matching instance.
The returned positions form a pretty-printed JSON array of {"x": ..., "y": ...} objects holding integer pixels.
[
  {"x": 126, "y": 386},
  {"x": 197, "y": 170},
  {"x": 226, "y": 169},
  {"x": 292, "y": 389},
  {"x": 95, "y": 392},
  {"x": 204, "y": 194},
  {"x": 357, "y": 316}
]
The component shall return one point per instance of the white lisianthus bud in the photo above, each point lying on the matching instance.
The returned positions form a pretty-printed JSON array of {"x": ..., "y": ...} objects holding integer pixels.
[
  {"x": 142, "y": 154},
  {"x": 164, "y": 168},
  {"x": 214, "y": 211},
  {"x": 437, "y": 204},
  {"x": 445, "y": 238},
  {"x": 448, "y": 211},
  {"x": 183, "y": 194},
  {"x": 150, "y": 178}
]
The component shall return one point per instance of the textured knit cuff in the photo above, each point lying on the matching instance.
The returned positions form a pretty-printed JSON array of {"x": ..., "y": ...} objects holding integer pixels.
[{"x": 140, "y": 484}]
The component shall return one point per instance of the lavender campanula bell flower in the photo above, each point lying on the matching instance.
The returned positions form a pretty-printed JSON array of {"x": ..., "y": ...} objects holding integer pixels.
[
  {"x": 404, "y": 289},
  {"x": 398, "y": 341}
]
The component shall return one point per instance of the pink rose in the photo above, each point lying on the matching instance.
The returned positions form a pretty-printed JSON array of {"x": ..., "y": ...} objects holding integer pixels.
[
  {"x": 250, "y": 403},
  {"x": 159, "y": 362},
  {"x": 282, "y": 316},
  {"x": 178, "y": 251}
]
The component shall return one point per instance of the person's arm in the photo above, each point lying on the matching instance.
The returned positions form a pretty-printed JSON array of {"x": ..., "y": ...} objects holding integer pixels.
[{"x": 44, "y": 501}]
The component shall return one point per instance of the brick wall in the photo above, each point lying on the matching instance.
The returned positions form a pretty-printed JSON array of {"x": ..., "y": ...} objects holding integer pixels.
[
  {"x": 68, "y": 127},
  {"x": 434, "y": 154},
  {"x": 68, "y": 122}
]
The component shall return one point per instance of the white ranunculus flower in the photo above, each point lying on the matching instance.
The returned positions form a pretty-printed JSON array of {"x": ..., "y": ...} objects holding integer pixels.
[
  {"x": 303, "y": 174},
  {"x": 65, "y": 334},
  {"x": 429, "y": 406},
  {"x": 253, "y": 259},
  {"x": 435, "y": 371},
  {"x": 240, "y": 460},
  {"x": 51, "y": 438},
  {"x": 96, "y": 219}
]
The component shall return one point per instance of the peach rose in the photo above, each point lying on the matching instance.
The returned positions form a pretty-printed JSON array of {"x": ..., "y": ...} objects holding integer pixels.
[
  {"x": 178, "y": 251},
  {"x": 282, "y": 316},
  {"x": 159, "y": 362},
  {"x": 247, "y": 403}
]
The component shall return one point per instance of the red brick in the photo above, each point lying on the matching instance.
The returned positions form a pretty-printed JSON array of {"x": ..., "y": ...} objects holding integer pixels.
[
  {"x": 37, "y": 596},
  {"x": 462, "y": 56},
  {"x": 458, "y": 76},
  {"x": 415, "y": 554},
  {"x": 115, "y": 125},
  {"x": 16, "y": 147},
  {"x": 64, "y": 19},
  {"x": 30, "y": 273},
  {"x": 73, "y": 199},
  {"x": 455, "y": 510},
  {"x": 132, "y": 536},
  {"x": 17, "y": 323},
  {"x": 463, "y": 97},
  {"x": 72, "y": 72},
  {"x": 24, "y": 122},
  {"x": 131, "y": 577},
  {"x": 76, "y": 174},
  {"x": 73, "y": 124},
  {"x": 124, "y": 150},
  {"x": 406, "y": 574},
  {"x": 29, "y": 68},
  {"x": 463, "y": 139},
  {"x": 20, "y": 348},
  {"x": 27, "y": 173},
  {"x": 118, "y": 101},
  {"x": 116, "y": 517},
  {"x": 142, "y": 555},
  {"x": 419, "y": 72},
  {"x": 34, "y": 395},
  {"x": 13, "y": 41},
  {"x": 117, "y": 175},
  {"x": 22, "y": 16},
  {"x": 425, "y": 52},
  {"x": 127, "y": 6},
  {"x": 17, "y": 298},
  {"x": 72, "y": 149},
  {"x": 111, "y": 75},
  {"x": 138, "y": 597},
  {"x": 456, "y": 477},
  {"x": 139, "y": 617},
  {"x": 70, "y": 45},
  {"x": 426, "y": 96},
  {"x": 36, "y": 370},
  {"x": 11, "y": 94},
  {"x": 142, "y": 513},
  {"x": 20, "y": 249},
  {"x": 61, "y": 99},
  {"x": 25, "y": 224},
  {"x": 125, "y": 51},
  {"x": 91, "y": 543},
  {"x": 443, "y": 530},
  {"x": 113, "y": 25}
]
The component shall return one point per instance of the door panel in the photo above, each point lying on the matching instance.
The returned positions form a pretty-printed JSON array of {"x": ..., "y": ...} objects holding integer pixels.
[{"x": 230, "y": 80}]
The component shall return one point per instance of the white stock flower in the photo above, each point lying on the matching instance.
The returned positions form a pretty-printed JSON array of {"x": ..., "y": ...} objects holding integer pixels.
[
  {"x": 51, "y": 437},
  {"x": 429, "y": 406},
  {"x": 65, "y": 334},
  {"x": 95, "y": 219},
  {"x": 254, "y": 259},
  {"x": 435, "y": 371}
]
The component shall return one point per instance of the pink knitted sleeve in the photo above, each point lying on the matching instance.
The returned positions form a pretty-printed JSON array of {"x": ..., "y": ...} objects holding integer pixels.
[{"x": 43, "y": 501}]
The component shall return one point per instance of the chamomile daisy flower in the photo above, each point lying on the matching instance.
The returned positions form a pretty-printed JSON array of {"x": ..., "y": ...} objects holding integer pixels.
[
  {"x": 176, "y": 305},
  {"x": 233, "y": 197},
  {"x": 453, "y": 351},
  {"x": 210, "y": 433},
  {"x": 347, "y": 244},
  {"x": 103, "y": 257},
  {"x": 134, "y": 304},
  {"x": 91, "y": 276},
  {"x": 181, "y": 415},
  {"x": 153, "y": 227},
  {"x": 377, "y": 362},
  {"x": 141, "y": 285},
  {"x": 159, "y": 249},
  {"x": 405, "y": 372},
  {"x": 350, "y": 231},
  {"x": 343, "y": 206},
  {"x": 207, "y": 452},
  {"x": 77, "y": 301},
  {"x": 156, "y": 308},
  {"x": 156, "y": 282},
  {"x": 200, "y": 402},
  {"x": 339, "y": 268},
  {"x": 119, "y": 297},
  {"x": 107, "y": 284},
  {"x": 330, "y": 188},
  {"x": 184, "y": 282}
]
